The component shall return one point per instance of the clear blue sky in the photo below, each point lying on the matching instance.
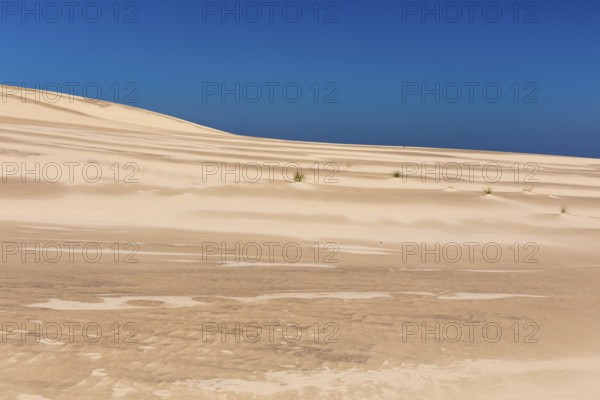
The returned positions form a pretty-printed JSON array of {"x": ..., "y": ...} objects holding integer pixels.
[{"x": 374, "y": 72}]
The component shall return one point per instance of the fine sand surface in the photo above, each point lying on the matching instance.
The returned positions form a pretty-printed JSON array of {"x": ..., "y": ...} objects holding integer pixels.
[{"x": 157, "y": 315}]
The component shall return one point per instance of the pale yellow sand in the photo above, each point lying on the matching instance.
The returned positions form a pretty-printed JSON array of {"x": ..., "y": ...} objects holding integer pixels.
[{"x": 360, "y": 295}]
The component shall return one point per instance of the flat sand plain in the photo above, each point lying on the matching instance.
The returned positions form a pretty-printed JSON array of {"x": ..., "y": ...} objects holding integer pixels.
[{"x": 369, "y": 299}]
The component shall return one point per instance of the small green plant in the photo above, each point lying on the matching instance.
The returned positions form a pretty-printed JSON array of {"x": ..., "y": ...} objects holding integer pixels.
[
  {"x": 299, "y": 177},
  {"x": 563, "y": 210},
  {"x": 487, "y": 190},
  {"x": 397, "y": 174}
]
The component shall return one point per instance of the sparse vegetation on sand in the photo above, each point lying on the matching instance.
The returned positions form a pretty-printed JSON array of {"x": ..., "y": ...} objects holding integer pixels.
[
  {"x": 487, "y": 190},
  {"x": 299, "y": 177},
  {"x": 397, "y": 174},
  {"x": 563, "y": 210}
]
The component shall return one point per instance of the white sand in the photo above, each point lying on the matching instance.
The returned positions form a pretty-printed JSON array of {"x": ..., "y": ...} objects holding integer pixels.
[
  {"x": 312, "y": 296},
  {"x": 117, "y": 303},
  {"x": 484, "y": 296}
]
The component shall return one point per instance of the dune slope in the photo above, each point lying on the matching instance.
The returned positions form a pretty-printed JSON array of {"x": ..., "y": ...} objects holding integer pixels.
[{"x": 190, "y": 258}]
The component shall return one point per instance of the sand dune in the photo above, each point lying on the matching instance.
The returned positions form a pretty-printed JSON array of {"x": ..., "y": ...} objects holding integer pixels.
[{"x": 145, "y": 239}]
